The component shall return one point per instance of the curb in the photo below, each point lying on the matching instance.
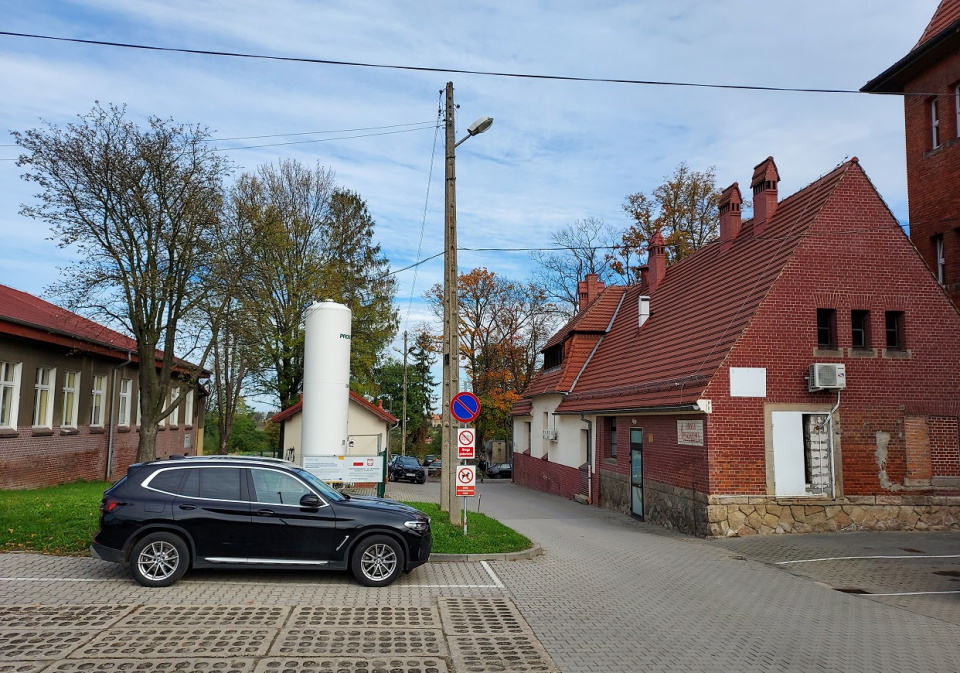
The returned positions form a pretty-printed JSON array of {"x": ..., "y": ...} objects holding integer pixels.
[{"x": 534, "y": 551}]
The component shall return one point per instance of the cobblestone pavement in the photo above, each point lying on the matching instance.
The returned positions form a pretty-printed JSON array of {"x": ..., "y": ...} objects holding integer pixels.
[{"x": 608, "y": 594}]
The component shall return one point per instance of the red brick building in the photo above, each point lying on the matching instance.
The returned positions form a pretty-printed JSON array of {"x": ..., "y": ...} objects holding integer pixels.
[
  {"x": 69, "y": 399},
  {"x": 801, "y": 373},
  {"x": 929, "y": 79}
]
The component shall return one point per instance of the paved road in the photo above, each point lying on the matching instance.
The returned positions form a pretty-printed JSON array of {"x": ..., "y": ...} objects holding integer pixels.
[{"x": 608, "y": 594}]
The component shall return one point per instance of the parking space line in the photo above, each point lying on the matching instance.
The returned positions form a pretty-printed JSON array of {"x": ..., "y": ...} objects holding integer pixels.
[
  {"x": 914, "y": 593},
  {"x": 493, "y": 575},
  {"x": 59, "y": 579},
  {"x": 860, "y": 558}
]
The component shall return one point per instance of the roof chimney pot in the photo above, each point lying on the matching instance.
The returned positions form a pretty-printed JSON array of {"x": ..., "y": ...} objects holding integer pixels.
[
  {"x": 589, "y": 289},
  {"x": 730, "y": 213},
  {"x": 764, "y": 185},
  {"x": 656, "y": 261}
]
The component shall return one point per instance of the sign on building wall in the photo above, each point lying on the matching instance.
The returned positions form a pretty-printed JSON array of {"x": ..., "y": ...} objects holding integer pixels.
[
  {"x": 690, "y": 433},
  {"x": 748, "y": 382},
  {"x": 349, "y": 469}
]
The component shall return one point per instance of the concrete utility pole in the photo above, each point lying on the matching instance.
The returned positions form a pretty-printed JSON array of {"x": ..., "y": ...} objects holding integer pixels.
[
  {"x": 451, "y": 311},
  {"x": 403, "y": 437},
  {"x": 451, "y": 318}
]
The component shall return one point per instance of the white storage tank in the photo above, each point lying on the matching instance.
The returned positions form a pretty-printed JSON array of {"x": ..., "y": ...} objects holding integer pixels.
[{"x": 326, "y": 380}]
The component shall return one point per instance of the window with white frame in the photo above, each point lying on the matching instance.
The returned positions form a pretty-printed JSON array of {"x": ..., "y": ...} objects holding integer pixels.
[
  {"x": 98, "y": 398},
  {"x": 935, "y": 123},
  {"x": 71, "y": 399},
  {"x": 175, "y": 403},
  {"x": 941, "y": 261},
  {"x": 43, "y": 397},
  {"x": 138, "y": 408},
  {"x": 123, "y": 413},
  {"x": 9, "y": 394},
  {"x": 188, "y": 408}
]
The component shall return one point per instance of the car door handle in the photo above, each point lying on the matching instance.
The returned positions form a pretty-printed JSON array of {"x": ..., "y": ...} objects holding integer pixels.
[
  {"x": 265, "y": 512},
  {"x": 188, "y": 506}
]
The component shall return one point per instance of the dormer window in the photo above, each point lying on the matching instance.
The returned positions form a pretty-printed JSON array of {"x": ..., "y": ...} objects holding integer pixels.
[{"x": 553, "y": 357}]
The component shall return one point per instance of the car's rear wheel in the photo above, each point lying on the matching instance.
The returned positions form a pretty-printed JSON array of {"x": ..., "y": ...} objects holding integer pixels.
[
  {"x": 377, "y": 561},
  {"x": 422, "y": 479},
  {"x": 159, "y": 559}
]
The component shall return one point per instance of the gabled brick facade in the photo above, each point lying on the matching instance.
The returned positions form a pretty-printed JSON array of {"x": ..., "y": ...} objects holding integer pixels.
[{"x": 712, "y": 391}]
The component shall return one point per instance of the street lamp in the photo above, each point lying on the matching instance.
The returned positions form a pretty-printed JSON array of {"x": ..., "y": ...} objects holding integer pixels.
[{"x": 451, "y": 317}]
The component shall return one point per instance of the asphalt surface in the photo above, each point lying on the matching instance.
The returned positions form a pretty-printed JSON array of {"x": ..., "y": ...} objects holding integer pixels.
[{"x": 608, "y": 594}]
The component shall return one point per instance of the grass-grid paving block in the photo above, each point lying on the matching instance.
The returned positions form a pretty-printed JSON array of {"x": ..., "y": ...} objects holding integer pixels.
[
  {"x": 359, "y": 643},
  {"x": 33, "y": 644},
  {"x": 208, "y": 615},
  {"x": 153, "y": 666},
  {"x": 190, "y": 642},
  {"x": 60, "y": 616},
  {"x": 481, "y": 615},
  {"x": 23, "y": 666},
  {"x": 352, "y": 665},
  {"x": 370, "y": 616},
  {"x": 502, "y": 653}
]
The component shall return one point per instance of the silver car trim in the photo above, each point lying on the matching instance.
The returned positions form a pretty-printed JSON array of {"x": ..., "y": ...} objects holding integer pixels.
[{"x": 263, "y": 561}]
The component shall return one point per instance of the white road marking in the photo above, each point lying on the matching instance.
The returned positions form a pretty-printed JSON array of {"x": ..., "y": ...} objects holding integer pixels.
[
  {"x": 915, "y": 593},
  {"x": 858, "y": 558},
  {"x": 493, "y": 575},
  {"x": 57, "y": 579}
]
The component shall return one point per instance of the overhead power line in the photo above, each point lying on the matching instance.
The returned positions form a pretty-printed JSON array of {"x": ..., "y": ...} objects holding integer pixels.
[{"x": 456, "y": 71}]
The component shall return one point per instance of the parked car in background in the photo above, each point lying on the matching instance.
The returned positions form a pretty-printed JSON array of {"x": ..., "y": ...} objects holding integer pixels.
[
  {"x": 500, "y": 471},
  {"x": 167, "y": 516},
  {"x": 409, "y": 468},
  {"x": 435, "y": 467},
  {"x": 428, "y": 459}
]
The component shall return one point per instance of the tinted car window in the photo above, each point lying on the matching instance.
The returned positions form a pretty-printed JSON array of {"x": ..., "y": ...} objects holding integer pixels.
[
  {"x": 191, "y": 485},
  {"x": 277, "y": 488},
  {"x": 167, "y": 481},
  {"x": 220, "y": 483}
]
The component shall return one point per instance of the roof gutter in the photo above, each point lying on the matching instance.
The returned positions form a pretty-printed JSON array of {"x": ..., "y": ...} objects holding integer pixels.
[{"x": 675, "y": 408}]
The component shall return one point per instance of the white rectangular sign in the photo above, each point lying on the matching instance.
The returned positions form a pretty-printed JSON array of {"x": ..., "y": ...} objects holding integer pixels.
[
  {"x": 363, "y": 469},
  {"x": 328, "y": 468},
  {"x": 466, "y": 478},
  {"x": 466, "y": 443},
  {"x": 690, "y": 433}
]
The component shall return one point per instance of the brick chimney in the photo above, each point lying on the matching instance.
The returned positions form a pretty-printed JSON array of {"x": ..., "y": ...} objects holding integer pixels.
[
  {"x": 730, "y": 202},
  {"x": 656, "y": 261},
  {"x": 764, "y": 185},
  {"x": 589, "y": 288}
]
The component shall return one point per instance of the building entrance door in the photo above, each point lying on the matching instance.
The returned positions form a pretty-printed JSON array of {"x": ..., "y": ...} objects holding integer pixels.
[{"x": 636, "y": 473}]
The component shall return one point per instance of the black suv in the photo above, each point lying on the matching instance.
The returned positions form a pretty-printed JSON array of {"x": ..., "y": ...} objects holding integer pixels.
[
  {"x": 166, "y": 516},
  {"x": 407, "y": 467}
]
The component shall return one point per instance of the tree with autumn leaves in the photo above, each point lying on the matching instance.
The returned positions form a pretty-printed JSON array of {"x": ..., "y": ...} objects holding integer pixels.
[{"x": 503, "y": 326}]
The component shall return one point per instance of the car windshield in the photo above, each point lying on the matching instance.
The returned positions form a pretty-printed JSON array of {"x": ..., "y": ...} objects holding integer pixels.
[
  {"x": 325, "y": 489},
  {"x": 408, "y": 461}
]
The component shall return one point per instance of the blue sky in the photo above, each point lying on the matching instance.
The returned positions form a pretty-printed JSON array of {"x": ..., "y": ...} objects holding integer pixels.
[{"x": 558, "y": 151}]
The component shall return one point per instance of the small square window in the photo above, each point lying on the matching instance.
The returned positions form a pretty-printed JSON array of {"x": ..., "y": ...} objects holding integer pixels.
[
  {"x": 826, "y": 328},
  {"x": 860, "y": 328},
  {"x": 896, "y": 339}
]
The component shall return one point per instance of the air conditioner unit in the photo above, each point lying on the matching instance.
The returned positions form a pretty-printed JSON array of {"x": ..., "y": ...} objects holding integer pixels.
[
  {"x": 827, "y": 377},
  {"x": 550, "y": 435}
]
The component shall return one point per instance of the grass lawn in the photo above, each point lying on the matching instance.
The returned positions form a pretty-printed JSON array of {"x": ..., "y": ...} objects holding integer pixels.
[{"x": 61, "y": 521}]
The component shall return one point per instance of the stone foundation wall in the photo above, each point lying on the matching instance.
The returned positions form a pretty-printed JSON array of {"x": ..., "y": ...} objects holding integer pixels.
[
  {"x": 614, "y": 491},
  {"x": 730, "y": 516}
]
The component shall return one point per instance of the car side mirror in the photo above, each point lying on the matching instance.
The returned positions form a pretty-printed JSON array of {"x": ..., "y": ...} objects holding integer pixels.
[{"x": 310, "y": 501}]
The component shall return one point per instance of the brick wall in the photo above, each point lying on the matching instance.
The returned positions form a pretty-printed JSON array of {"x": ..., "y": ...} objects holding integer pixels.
[
  {"x": 542, "y": 475},
  {"x": 880, "y": 273},
  {"x": 944, "y": 446},
  {"x": 933, "y": 174}
]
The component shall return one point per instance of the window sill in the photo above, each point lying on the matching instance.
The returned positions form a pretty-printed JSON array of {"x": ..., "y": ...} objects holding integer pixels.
[
  {"x": 950, "y": 142},
  {"x": 69, "y": 430},
  {"x": 41, "y": 432},
  {"x": 97, "y": 430},
  {"x": 861, "y": 352},
  {"x": 827, "y": 352},
  {"x": 610, "y": 461},
  {"x": 123, "y": 428},
  {"x": 896, "y": 354},
  {"x": 9, "y": 432}
]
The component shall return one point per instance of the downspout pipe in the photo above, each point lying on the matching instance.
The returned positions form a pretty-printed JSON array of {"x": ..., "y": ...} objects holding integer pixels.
[
  {"x": 591, "y": 456},
  {"x": 833, "y": 474},
  {"x": 113, "y": 414}
]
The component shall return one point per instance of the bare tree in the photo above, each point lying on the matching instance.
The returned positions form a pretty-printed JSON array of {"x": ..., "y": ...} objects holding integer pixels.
[
  {"x": 585, "y": 246},
  {"x": 142, "y": 208}
]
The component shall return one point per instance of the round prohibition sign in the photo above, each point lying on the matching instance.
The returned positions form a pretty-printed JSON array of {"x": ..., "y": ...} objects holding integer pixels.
[
  {"x": 465, "y": 407},
  {"x": 465, "y": 437},
  {"x": 465, "y": 476}
]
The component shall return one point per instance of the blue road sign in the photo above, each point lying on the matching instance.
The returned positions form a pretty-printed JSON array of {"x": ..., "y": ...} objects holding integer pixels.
[{"x": 465, "y": 407}]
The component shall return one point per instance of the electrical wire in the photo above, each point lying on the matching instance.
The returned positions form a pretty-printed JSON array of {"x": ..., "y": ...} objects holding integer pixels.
[
  {"x": 310, "y": 133},
  {"x": 455, "y": 71},
  {"x": 318, "y": 140}
]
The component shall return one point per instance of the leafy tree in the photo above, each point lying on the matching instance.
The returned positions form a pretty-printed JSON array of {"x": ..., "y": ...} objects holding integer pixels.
[
  {"x": 420, "y": 385},
  {"x": 309, "y": 240},
  {"x": 585, "y": 247},
  {"x": 684, "y": 209},
  {"x": 142, "y": 208}
]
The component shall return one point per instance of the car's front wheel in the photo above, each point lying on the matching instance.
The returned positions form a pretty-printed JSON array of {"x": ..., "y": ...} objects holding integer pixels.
[
  {"x": 377, "y": 561},
  {"x": 159, "y": 559}
]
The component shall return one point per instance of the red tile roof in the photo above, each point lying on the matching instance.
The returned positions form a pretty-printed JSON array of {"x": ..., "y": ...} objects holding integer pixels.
[
  {"x": 697, "y": 313},
  {"x": 940, "y": 39},
  {"x": 579, "y": 338},
  {"x": 297, "y": 408},
  {"x": 947, "y": 14}
]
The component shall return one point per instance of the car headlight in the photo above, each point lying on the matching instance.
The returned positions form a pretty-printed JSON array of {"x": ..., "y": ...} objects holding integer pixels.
[{"x": 419, "y": 526}]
